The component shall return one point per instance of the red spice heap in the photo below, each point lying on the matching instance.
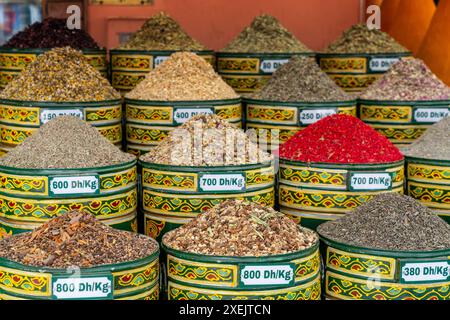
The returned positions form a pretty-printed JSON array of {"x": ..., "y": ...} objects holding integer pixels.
[{"x": 339, "y": 139}]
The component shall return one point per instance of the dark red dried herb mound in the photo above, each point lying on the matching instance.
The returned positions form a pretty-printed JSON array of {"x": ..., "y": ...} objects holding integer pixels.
[
  {"x": 51, "y": 33},
  {"x": 339, "y": 139}
]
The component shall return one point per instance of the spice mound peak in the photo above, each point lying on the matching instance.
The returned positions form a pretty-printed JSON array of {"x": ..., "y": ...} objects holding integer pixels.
[
  {"x": 240, "y": 228},
  {"x": 76, "y": 239},
  {"x": 341, "y": 139},
  {"x": 65, "y": 142},
  {"x": 206, "y": 140}
]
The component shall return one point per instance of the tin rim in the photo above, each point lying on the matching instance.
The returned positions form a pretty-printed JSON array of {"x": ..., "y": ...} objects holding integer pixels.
[
  {"x": 346, "y": 166},
  {"x": 345, "y": 103},
  {"x": 186, "y": 103},
  {"x": 62, "y": 104},
  {"x": 43, "y": 50},
  {"x": 175, "y": 168}
]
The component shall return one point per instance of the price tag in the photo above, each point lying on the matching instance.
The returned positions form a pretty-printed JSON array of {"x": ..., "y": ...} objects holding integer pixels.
[
  {"x": 370, "y": 181},
  {"x": 181, "y": 115},
  {"x": 222, "y": 182},
  {"x": 160, "y": 59},
  {"x": 381, "y": 64},
  {"x": 74, "y": 185},
  {"x": 258, "y": 275},
  {"x": 430, "y": 114},
  {"x": 270, "y": 66},
  {"x": 48, "y": 114},
  {"x": 83, "y": 287},
  {"x": 310, "y": 116},
  {"x": 427, "y": 271}
]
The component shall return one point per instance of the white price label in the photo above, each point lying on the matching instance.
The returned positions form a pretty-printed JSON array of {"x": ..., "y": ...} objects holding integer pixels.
[
  {"x": 430, "y": 114},
  {"x": 160, "y": 59},
  {"x": 381, "y": 64},
  {"x": 266, "y": 275},
  {"x": 271, "y": 66},
  {"x": 181, "y": 115},
  {"x": 74, "y": 185},
  {"x": 82, "y": 288},
  {"x": 425, "y": 271},
  {"x": 370, "y": 181},
  {"x": 310, "y": 116},
  {"x": 222, "y": 182},
  {"x": 48, "y": 114}
]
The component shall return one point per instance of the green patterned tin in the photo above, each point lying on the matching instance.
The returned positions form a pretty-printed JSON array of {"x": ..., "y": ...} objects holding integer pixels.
[
  {"x": 357, "y": 273},
  {"x": 249, "y": 72},
  {"x": 402, "y": 121},
  {"x": 129, "y": 67},
  {"x": 33, "y": 196},
  {"x": 293, "y": 276},
  {"x": 428, "y": 181},
  {"x": 317, "y": 192},
  {"x": 354, "y": 72},
  {"x": 156, "y": 225},
  {"x": 278, "y": 121},
  {"x": 134, "y": 280},
  {"x": 149, "y": 122},
  {"x": 13, "y": 61}
]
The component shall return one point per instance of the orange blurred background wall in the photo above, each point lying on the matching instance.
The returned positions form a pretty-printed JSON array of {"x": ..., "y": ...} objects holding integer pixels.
[{"x": 216, "y": 22}]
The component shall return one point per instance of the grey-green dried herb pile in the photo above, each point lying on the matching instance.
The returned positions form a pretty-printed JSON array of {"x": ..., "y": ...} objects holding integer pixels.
[
  {"x": 240, "y": 228},
  {"x": 301, "y": 79},
  {"x": 390, "y": 221},
  {"x": 265, "y": 34},
  {"x": 408, "y": 80},
  {"x": 434, "y": 144},
  {"x": 183, "y": 76},
  {"x": 61, "y": 74},
  {"x": 206, "y": 140},
  {"x": 161, "y": 32},
  {"x": 65, "y": 142},
  {"x": 360, "y": 39},
  {"x": 76, "y": 239}
]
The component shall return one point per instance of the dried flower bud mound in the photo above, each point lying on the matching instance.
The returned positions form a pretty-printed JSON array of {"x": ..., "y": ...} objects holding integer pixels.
[
  {"x": 240, "y": 228},
  {"x": 340, "y": 139}
]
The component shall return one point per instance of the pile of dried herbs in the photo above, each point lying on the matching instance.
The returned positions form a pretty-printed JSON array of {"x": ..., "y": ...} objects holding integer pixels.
[
  {"x": 60, "y": 75},
  {"x": 240, "y": 228},
  {"x": 265, "y": 34},
  {"x": 51, "y": 33},
  {"x": 76, "y": 239},
  {"x": 433, "y": 144},
  {"x": 301, "y": 79},
  {"x": 390, "y": 221},
  {"x": 183, "y": 76},
  {"x": 206, "y": 140},
  {"x": 161, "y": 32},
  {"x": 65, "y": 142},
  {"x": 408, "y": 80},
  {"x": 360, "y": 39}
]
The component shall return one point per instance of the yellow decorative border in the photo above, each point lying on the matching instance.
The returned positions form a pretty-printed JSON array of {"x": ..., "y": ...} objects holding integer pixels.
[
  {"x": 153, "y": 264},
  {"x": 385, "y": 111},
  {"x": 47, "y": 276},
  {"x": 435, "y": 179}
]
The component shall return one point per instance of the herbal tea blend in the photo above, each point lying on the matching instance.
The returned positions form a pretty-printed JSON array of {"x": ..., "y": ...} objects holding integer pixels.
[
  {"x": 76, "y": 239},
  {"x": 240, "y": 228},
  {"x": 161, "y": 32},
  {"x": 183, "y": 76},
  {"x": 60, "y": 75},
  {"x": 408, "y": 80},
  {"x": 51, "y": 33},
  {"x": 65, "y": 142},
  {"x": 206, "y": 140},
  {"x": 339, "y": 139},
  {"x": 301, "y": 79},
  {"x": 390, "y": 221},
  {"x": 265, "y": 34},
  {"x": 360, "y": 39}
]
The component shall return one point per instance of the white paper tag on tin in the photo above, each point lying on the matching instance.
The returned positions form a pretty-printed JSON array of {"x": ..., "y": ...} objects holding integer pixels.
[
  {"x": 310, "y": 116},
  {"x": 82, "y": 288},
  {"x": 222, "y": 182},
  {"x": 381, "y": 64},
  {"x": 74, "y": 185},
  {"x": 48, "y": 114},
  {"x": 266, "y": 275},
  {"x": 159, "y": 59},
  {"x": 272, "y": 65},
  {"x": 370, "y": 181},
  {"x": 181, "y": 115},
  {"x": 430, "y": 114},
  {"x": 425, "y": 271}
]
